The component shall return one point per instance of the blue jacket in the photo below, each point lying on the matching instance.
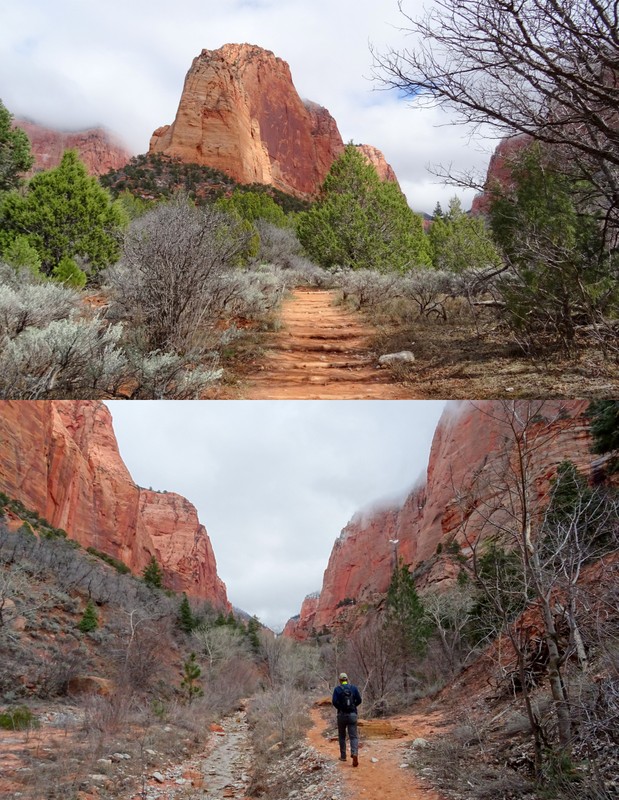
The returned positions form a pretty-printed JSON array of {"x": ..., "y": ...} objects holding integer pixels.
[{"x": 338, "y": 696}]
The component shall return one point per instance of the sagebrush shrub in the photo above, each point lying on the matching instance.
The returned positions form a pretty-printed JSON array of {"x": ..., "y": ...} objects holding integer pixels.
[
  {"x": 67, "y": 358},
  {"x": 33, "y": 305}
]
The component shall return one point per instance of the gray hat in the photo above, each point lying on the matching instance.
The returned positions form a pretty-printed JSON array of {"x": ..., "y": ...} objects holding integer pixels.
[{"x": 343, "y": 676}]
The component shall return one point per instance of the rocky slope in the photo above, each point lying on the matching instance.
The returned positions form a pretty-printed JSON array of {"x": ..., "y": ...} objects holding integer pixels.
[
  {"x": 96, "y": 147},
  {"x": 61, "y": 459},
  {"x": 240, "y": 113},
  {"x": 466, "y": 445}
]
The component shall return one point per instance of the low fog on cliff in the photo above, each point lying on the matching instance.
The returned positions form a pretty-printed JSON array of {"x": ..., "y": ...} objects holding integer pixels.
[
  {"x": 122, "y": 65},
  {"x": 275, "y": 482}
]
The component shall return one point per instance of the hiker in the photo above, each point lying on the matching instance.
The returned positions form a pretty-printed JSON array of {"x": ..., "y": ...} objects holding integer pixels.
[{"x": 346, "y": 698}]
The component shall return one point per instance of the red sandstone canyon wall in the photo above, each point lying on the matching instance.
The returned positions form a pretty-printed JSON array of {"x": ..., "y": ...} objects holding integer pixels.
[
  {"x": 97, "y": 148},
  {"x": 61, "y": 459},
  {"x": 467, "y": 440}
]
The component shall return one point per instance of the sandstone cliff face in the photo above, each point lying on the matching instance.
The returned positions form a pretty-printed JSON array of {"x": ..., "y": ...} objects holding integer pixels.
[
  {"x": 464, "y": 456},
  {"x": 374, "y": 157},
  {"x": 97, "y": 148},
  {"x": 301, "y": 626},
  {"x": 498, "y": 170},
  {"x": 61, "y": 459},
  {"x": 240, "y": 113}
]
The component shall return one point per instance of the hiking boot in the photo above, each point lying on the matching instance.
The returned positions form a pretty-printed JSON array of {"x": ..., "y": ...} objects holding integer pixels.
[
  {"x": 355, "y": 761},
  {"x": 342, "y": 758}
]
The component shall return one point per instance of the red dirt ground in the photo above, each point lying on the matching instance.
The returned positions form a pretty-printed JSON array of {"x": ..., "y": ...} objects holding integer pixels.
[{"x": 384, "y": 777}]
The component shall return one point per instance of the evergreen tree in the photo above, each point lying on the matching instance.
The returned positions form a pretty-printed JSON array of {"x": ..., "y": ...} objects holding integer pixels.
[
  {"x": 362, "y": 222},
  {"x": 569, "y": 488},
  {"x": 406, "y": 616},
  {"x": 191, "y": 674},
  {"x": 502, "y": 595},
  {"x": 65, "y": 213},
  {"x": 561, "y": 272},
  {"x": 252, "y": 206},
  {"x": 187, "y": 621},
  {"x": 604, "y": 416},
  {"x": 20, "y": 253},
  {"x": 152, "y": 574},
  {"x": 459, "y": 241},
  {"x": 67, "y": 272},
  {"x": 15, "y": 155},
  {"x": 89, "y": 621},
  {"x": 253, "y": 626}
]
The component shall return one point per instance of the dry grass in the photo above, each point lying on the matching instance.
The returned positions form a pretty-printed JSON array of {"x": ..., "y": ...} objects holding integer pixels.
[{"x": 464, "y": 357}]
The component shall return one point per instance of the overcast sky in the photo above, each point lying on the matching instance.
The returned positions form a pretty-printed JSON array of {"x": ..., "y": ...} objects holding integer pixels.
[
  {"x": 275, "y": 482},
  {"x": 122, "y": 63}
]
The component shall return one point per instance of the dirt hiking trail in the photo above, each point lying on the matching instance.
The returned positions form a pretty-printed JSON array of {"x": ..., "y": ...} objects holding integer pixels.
[
  {"x": 322, "y": 352},
  {"x": 380, "y": 773}
]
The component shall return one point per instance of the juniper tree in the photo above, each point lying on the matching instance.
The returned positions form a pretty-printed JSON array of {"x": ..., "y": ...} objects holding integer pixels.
[
  {"x": 460, "y": 241},
  {"x": 15, "y": 155},
  {"x": 253, "y": 629},
  {"x": 406, "y": 619},
  {"x": 64, "y": 214},
  {"x": 604, "y": 415},
  {"x": 405, "y": 610},
  {"x": 561, "y": 275},
  {"x": 252, "y": 206},
  {"x": 362, "y": 222}
]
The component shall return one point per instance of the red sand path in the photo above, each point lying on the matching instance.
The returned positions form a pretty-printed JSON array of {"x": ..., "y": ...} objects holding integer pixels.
[{"x": 322, "y": 352}]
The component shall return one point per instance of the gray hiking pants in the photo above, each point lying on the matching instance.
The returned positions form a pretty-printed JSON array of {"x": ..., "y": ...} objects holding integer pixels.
[{"x": 347, "y": 722}]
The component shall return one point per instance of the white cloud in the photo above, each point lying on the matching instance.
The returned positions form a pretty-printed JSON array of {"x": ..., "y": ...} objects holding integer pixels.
[{"x": 76, "y": 63}]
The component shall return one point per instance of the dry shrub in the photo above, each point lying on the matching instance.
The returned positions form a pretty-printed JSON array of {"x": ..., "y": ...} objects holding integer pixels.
[
  {"x": 106, "y": 715},
  {"x": 225, "y": 687},
  {"x": 58, "y": 666},
  {"x": 137, "y": 656},
  {"x": 453, "y": 764},
  {"x": 278, "y": 718}
]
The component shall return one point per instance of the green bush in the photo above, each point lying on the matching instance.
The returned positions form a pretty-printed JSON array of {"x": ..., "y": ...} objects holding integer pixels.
[
  {"x": 49, "y": 532},
  {"x": 18, "y": 719},
  {"x": 152, "y": 575},
  {"x": 113, "y": 562},
  {"x": 20, "y": 253},
  {"x": 361, "y": 222},
  {"x": 67, "y": 272},
  {"x": 25, "y": 529}
]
